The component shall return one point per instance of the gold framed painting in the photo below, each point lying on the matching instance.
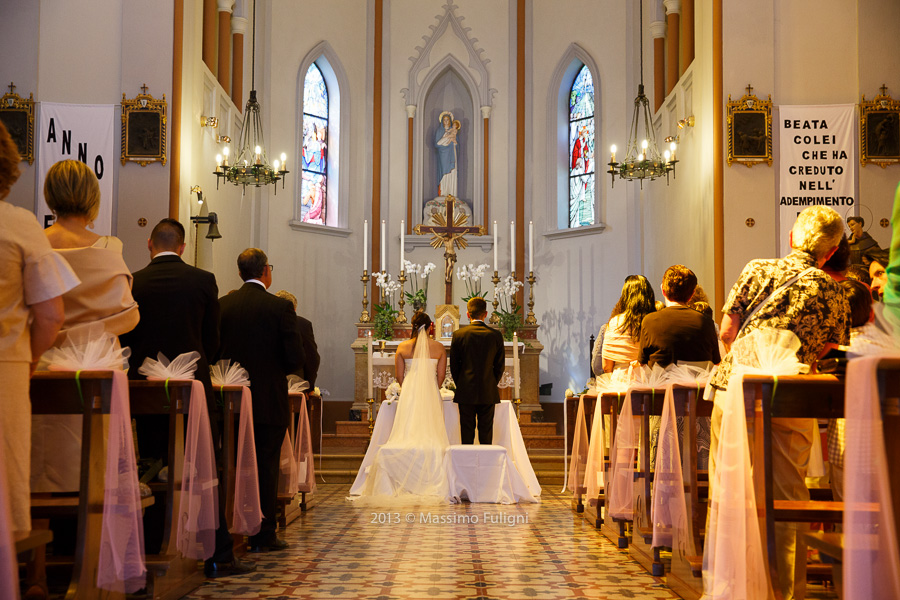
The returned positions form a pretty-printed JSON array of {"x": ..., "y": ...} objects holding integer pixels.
[
  {"x": 143, "y": 129},
  {"x": 879, "y": 130},
  {"x": 17, "y": 114},
  {"x": 749, "y": 122}
]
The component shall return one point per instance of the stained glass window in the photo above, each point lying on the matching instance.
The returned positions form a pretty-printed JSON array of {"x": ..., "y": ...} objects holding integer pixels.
[
  {"x": 581, "y": 150},
  {"x": 314, "y": 159}
]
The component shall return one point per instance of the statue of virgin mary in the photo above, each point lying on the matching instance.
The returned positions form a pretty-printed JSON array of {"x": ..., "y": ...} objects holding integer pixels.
[{"x": 446, "y": 143}]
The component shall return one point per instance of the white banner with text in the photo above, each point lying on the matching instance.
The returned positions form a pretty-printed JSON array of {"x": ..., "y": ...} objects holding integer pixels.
[
  {"x": 83, "y": 132},
  {"x": 817, "y": 160}
]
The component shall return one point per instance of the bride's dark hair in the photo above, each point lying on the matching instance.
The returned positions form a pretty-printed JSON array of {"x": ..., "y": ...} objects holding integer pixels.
[{"x": 419, "y": 320}]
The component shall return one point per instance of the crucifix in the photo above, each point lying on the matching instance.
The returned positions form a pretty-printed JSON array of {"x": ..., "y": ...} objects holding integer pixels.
[{"x": 449, "y": 233}]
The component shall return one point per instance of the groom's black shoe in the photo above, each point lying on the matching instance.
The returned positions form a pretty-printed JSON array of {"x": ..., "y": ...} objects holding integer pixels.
[
  {"x": 273, "y": 545},
  {"x": 228, "y": 569}
]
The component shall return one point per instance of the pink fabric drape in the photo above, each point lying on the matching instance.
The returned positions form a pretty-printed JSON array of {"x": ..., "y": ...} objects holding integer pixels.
[
  {"x": 9, "y": 566},
  {"x": 620, "y": 487},
  {"x": 579, "y": 451},
  {"x": 669, "y": 510},
  {"x": 247, "y": 516},
  {"x": 287, "y": 468},
  {"x": 871, "y": 556},
  {"x": 306, "y": 473},
  {"x": 121, "y": 565},
  {"x": 198, "y": 515}
]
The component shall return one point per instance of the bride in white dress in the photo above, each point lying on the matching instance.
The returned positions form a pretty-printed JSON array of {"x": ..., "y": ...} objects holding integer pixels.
[{"x": 411, "y": 462}]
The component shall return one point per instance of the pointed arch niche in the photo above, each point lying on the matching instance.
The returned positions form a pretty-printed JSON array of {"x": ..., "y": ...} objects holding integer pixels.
[
  {"x": 459, "y": 84},
  {"x": 338, "y": 169},
  {"x": 568, "y": 68}
]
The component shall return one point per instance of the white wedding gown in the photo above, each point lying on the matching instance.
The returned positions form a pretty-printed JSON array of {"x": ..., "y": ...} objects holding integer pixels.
[{"x": 411, "y": 462}]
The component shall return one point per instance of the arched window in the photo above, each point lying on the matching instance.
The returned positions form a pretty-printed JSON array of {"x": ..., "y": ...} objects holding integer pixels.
[
  {"x": 314, "y": 155},
  {"x": 581, "y": 150}
]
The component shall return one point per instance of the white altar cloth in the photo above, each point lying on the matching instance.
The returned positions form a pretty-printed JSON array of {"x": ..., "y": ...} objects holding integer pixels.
[{"x": 519, "y": 483}]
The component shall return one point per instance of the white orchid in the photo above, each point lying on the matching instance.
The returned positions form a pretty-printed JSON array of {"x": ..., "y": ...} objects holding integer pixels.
[
  {"x": 471, "y": 276},
  {"x": 428, "y": 269}
]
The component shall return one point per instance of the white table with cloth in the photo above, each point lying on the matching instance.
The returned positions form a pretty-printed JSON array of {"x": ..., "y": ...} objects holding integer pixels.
[{"x": 497, "y": 473}]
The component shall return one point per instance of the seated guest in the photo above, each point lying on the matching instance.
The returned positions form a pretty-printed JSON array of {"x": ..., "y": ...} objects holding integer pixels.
[
  {"x": 597, "y": 352},
  {"x": 31, "y": 312},
  {"x": 310, "y": 367},
  {"x": 878, "y": 276},
  {"x": 859, "y": 273},
  {"x": 180, "y": 313},
  {"x": 837, "y": 265},
  {"x": 260, "y": 331},
  {"x": 72, "y": 193},
  {"x": 794, "y": 294},
  {"x": 622, "y": 338},
  {"x": 677, "y": 332}
]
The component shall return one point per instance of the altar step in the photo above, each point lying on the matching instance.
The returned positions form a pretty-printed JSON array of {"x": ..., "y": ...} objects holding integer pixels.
[
  {"x": 355, "y": 435},
  {"x": 341, "y": 466}
]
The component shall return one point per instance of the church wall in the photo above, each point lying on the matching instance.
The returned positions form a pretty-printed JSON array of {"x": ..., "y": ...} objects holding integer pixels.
[
  {"x": 579, "y": 277},
  {"x": 91, "y": 54},
  {"x": 804, "y": 53}
]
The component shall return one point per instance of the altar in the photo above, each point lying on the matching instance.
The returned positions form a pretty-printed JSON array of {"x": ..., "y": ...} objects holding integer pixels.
[{"x": 383, "y": 367}]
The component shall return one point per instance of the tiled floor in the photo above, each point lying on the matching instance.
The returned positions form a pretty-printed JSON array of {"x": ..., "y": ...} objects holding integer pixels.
[{"x": 341, "y": 549}]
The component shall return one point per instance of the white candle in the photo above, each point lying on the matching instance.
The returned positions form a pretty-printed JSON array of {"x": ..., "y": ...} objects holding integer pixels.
[
  {"x": 383, "y": 253},
  {"x": 512, "y": 246},
  {"x": 516, "y": 362},
  {"x": 365, "y": 244},
  {"x": 402, "y": 242},
  {"x": 530, "y": 246},
  {"x": 369, "y": 364},
  {"x": 495, "y": 245}
]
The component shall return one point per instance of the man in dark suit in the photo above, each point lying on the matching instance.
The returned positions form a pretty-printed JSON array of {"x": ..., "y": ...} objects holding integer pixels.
[
  {"x": 477, "y": 359},
  {"x": 678, "y": 332},
  {"x": 260, "y": 332},
  {"x": 179, "y": 313},
  {"x": 310, "y": 367}
]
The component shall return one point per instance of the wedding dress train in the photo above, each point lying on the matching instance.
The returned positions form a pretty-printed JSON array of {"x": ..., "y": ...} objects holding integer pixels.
[{"x": 411, "y": 462}]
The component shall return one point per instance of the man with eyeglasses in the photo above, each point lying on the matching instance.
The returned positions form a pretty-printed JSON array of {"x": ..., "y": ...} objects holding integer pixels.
[{"x": 260, "y": 331}]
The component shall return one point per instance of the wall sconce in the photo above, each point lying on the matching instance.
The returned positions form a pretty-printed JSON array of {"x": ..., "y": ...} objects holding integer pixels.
[
  {"x": 671, "y": 138},
  {"x": 220, "y": 139},
  {"x": 686, "y": 122},
  {"x": 196, "y": 190},
  {"x": 209, "y": 122}
]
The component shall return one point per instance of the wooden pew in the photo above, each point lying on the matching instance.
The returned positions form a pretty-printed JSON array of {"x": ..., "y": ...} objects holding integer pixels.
[
  {"x": 609, "y": 405},
  {"x": 617, "y": 530},
  {"x": 587, "y": 402},
  {"x": 230, "y": 395},
  {"x": 56, "y": 393},
  {"x": 641, "y": 548},
  {"x": 169, "y": 575},
  {"x": 289, "y": 507},
  {"x": 685, "y": 575},
  {"x": 31, "y": 548},
  {"x": 798, "y": 396}
]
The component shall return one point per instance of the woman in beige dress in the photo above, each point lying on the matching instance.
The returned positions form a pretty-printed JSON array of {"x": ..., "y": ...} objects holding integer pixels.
[
  {"x": 72, "y": 192},
  {"x": 31, "y": 312}
]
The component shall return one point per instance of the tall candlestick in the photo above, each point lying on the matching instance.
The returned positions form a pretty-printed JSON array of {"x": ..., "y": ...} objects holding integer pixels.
[
  {"x": 530, "y": 246},
  {"x": 512, "y": 246},
  {"x": 383, "y": 253},
  {"x": 516, "y": 362},
  {"x": 495, "y": 245},
  {"x": 365, "y": 245},
  {"x": 402, "y": 242},
  {"x": 369, "y": 364}
]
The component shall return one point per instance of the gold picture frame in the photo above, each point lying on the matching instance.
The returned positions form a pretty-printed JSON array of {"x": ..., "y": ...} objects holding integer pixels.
[
  {"x": 749, "y": 122},
  {"x": 143, "y": 129},
  {"x": 879, "y": 130},
  {"x": 446, "y": 319},
  {"x": 17, "y": 114}
]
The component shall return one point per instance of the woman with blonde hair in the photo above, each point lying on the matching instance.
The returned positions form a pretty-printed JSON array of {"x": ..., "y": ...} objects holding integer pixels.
[{"x": 104, "y": 296}]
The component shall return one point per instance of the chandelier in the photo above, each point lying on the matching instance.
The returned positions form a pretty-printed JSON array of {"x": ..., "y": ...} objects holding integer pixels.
[
  {"x": 642, "y": 157},
  {"x": 251, "y": 167}
]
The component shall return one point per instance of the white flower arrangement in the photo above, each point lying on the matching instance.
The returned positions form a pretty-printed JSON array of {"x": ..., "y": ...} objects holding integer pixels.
[
  {"x": 471, "y": 276},
  {"x": 418, "y": 294}
]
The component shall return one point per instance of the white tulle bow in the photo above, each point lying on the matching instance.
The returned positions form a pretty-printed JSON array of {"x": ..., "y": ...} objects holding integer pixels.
[
  {"x": 182, "y": 366},
  {"x": 613, "y": 383},
  {"x": 226, "y": 373},
  {"x": 768, "y": 352},
  {"x": 296, "y": 384},
  {"x": 88, "y": 347}
]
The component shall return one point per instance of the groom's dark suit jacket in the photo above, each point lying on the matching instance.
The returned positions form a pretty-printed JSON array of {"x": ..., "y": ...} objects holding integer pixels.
[
  {"x": 179, "y": 313},
  {"x": 477, "y": 360},
  {"x": 260, "y": 331}
]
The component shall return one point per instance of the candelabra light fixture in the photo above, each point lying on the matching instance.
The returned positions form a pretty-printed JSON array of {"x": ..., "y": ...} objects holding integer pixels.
[
  {"x": 251, "y": 167},
  {"x": 643, "y": 159}
]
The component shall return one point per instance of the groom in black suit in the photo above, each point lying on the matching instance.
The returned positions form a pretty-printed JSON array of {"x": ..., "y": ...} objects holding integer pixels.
[
  {"x": 477, "y": 359},
  {"x": 179, "y": 313},
  {"x": 260, "y": 331}
]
